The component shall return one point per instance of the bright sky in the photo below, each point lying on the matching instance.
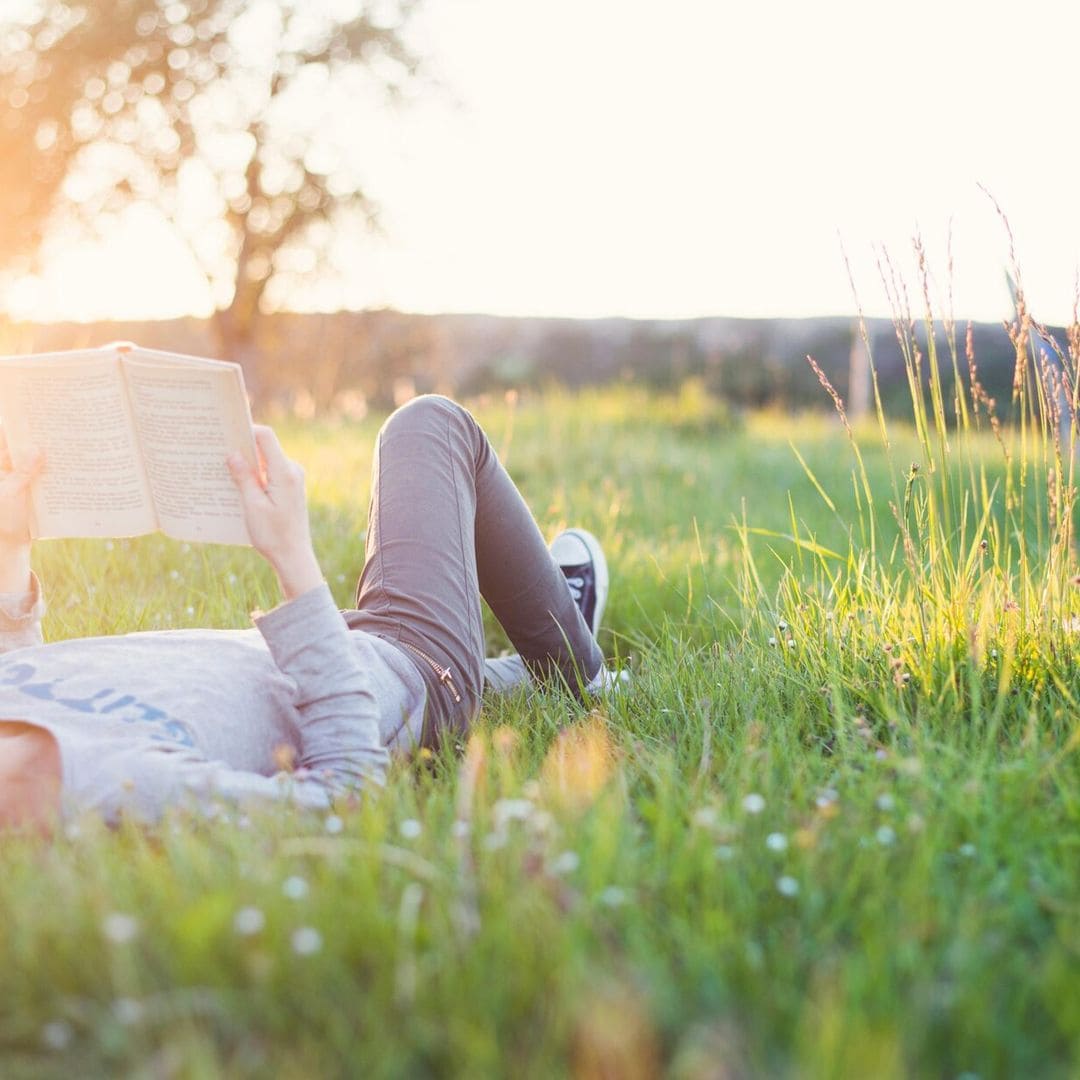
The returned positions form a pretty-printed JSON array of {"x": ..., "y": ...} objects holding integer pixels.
[{"x": 690, "y": 157}]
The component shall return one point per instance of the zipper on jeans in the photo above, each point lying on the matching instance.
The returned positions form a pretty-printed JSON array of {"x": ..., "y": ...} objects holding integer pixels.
[{"x": 443, "y": 674}]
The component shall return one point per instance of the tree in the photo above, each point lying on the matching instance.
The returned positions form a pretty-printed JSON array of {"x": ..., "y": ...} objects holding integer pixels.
[
  {"x": 37, "y": 85},
  {"x": 225, "y": 114}
]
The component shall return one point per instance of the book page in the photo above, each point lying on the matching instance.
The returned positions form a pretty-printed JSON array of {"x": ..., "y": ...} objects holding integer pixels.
[
  {"x": 189, "y": 417},
  {"x": 76, "y": 411}
]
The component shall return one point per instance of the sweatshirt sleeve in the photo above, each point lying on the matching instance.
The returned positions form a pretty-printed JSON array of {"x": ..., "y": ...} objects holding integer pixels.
[
  {"x": 340, "y": 745},
  {"x": 20, "y": 617}
]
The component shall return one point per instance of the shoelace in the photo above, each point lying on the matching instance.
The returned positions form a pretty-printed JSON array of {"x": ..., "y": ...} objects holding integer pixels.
[{"x": 577, "y": 587}]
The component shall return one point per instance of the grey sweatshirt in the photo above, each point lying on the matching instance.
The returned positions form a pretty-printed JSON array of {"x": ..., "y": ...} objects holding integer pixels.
[{"x": 148, "y": 720}]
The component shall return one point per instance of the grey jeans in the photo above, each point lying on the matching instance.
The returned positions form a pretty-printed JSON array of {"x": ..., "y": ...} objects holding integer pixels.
[{"x": 446, "y": 525}]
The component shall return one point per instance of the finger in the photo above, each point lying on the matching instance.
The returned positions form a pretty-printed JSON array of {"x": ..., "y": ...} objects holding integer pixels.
[
  {"x": 260, "y": 472},
  {"x": 15, "y": 481},
  {"x": 270, "y": 449},
  {"x": 13, "y": 484},
  {"x": 244, "y": 477},
  {"x": 29, "y": 463}
]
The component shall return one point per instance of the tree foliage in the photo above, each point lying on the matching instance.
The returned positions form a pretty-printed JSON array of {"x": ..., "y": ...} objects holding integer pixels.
[{"x": 228, "y": 115}]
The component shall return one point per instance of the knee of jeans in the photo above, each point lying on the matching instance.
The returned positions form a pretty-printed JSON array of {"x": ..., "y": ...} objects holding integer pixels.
[{"x": 429, "y": 412}]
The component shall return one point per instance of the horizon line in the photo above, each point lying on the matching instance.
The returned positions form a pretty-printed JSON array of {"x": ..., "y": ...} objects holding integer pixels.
[{"x": 13, "y": 321}]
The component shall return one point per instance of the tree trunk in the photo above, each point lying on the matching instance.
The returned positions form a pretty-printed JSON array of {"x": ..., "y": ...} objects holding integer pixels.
[{"x": 237, "y": 342}]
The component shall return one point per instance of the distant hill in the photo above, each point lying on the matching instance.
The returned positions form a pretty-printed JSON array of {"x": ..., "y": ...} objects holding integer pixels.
[{"x": 312, "y": 362}]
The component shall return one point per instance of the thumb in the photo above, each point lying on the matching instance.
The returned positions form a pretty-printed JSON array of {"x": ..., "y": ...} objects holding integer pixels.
[
  {"x": 23, "y": 473},
  {"x": 30, "y": 463},
  {"x": 244, "y": 477}
]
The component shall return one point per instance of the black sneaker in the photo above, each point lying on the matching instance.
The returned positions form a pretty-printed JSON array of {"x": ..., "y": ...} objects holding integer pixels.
[{"x": 582, "y": 562}]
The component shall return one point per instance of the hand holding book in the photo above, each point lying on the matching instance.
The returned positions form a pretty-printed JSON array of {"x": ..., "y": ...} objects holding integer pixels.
[
  {"x": 275, "y": 511},
  {"x": 15, "y": 482}
]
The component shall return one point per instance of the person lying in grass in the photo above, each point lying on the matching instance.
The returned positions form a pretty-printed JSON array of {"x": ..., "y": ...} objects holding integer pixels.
[{"x": 309, "y": 704}]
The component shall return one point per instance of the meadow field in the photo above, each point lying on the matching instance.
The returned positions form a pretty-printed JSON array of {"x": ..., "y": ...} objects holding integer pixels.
[{"x": 830, "y": 831}]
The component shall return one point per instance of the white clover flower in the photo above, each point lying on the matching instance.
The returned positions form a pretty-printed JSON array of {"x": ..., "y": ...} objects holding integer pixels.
[
  {"x": 460, "y": 829},
  {"x": 705, "y": 817},
  {"x": 565, "y": 863},
  {"x": 772, "y": 642},
  {"x": 507, "y": 810},
  {"x": 174, "y": 575},
  {"x": 885, "y": 801},
  {"x": 189, "y": 610},
  {"x": 306, "y": 941},
  {"x": 119, "y": 928},
  {"x": 410, "y": 828},
  {"x": 128, "y": 1011},
  {"x": 967, "y": 850},
  {"x": 787, "y": 886},
  {"x": 57, "y": 1035},
  {"x": 776, "y": 841},
  {"x": 886, "y": 835},
  {"x": 725, "y": 852},
  {"x": 754, "y": 803},
  {"x": 333, "y": 824},
  {"x": 294, "y": 888},
  {"x": 248, "y": 921},
  {"x": 613, "y": 896}
]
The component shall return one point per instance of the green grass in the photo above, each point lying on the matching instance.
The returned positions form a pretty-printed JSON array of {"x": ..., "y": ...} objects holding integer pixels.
[{"x": 776, "y": 856}]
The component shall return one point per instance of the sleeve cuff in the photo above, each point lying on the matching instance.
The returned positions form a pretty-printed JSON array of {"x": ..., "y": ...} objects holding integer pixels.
[
  {"x": 302, "y": 631},
  {"x": 298, "y": 610},
  {"x": 21, "y": 610}
]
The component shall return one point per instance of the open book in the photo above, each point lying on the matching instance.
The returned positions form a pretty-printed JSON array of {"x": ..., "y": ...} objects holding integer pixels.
[{"x": 135, "y": 441}]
